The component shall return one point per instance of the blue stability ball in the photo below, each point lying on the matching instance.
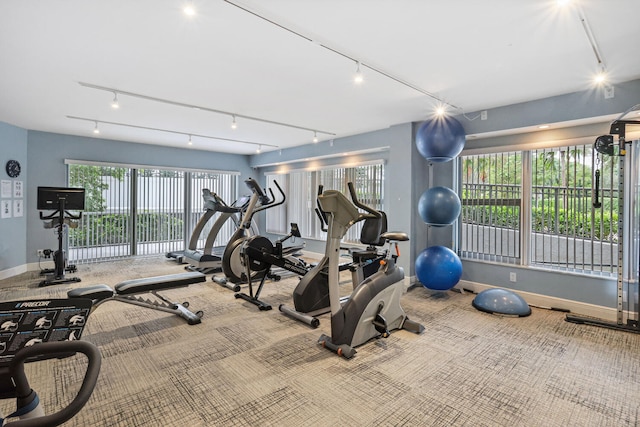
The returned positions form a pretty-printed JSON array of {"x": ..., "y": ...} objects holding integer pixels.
[
  {"x": 439, "y": 206},
  {"x": 438, "y": 268},
  {"x": 440, "y": 139},
  {"x": 501, "y": 301}
]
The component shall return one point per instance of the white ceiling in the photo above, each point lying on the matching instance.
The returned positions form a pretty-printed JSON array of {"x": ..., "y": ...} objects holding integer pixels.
[{"x": 292, "y": 62}]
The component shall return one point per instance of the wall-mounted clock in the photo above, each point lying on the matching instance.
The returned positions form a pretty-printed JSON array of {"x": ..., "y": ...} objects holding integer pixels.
[{"x": 13, "y": 168}]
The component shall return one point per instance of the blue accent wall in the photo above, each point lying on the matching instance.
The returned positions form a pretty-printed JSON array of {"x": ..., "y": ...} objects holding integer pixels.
[
  {"x": 408, "y": 175},
  {"x": 46, "y": 158},
  {"x": 393, "y": 145},
  {"x": 13, "y": 145}
]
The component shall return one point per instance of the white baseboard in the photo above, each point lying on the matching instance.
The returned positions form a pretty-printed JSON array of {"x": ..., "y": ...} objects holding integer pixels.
[
  {"x": 33, "y": 266},
  {"x": 37, "y": 266},
  {"x": 543, "y": 301},
  {"x": 13, "y": 271}
]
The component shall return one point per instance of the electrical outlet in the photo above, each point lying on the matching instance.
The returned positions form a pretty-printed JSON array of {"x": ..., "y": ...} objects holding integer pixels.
[
  {"x": 609, "y": 92},
  {"x": 44, "y": 253},
  {"x": 513, "y": 277}
]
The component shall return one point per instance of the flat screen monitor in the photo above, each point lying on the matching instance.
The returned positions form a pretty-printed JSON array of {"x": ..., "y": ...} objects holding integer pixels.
[{"x": 49, "y": 198}]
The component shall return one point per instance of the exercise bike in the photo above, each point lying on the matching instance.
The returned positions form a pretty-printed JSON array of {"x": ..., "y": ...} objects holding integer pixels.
[
  {"x": 40, "y": 330},
  {"x": 260, "y": 255},
  {"x": 311, "y": 295},
  {"x": 61, "y": 200},
  {"x": 373, "y": 309}
]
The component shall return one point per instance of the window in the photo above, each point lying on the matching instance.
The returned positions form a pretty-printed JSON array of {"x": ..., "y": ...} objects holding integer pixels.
[
  {"x": 545, "y": 217},
  {"x": 141, "y": 211},
  {"x": 301, "y": 189},
  {"x": 491, "y": 205}
]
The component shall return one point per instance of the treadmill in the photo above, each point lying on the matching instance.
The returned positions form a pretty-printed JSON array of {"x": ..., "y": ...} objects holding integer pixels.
[{"x": 209, "y": 258}]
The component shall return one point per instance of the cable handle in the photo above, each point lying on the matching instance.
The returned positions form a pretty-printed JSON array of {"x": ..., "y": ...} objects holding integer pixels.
[{"x": 596, "y": 202}]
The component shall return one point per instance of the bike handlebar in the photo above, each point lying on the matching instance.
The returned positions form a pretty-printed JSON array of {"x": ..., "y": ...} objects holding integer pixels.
[
  {"x": 372, "y": 213},
  {"x": 53, "y": 350}
]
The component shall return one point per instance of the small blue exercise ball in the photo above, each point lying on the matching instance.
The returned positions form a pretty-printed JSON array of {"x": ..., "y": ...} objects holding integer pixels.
[
  {"x": 501, "y": 301},
  {"x": 440, "y": 139},
  {"x": 439, "y": 206},
  {"x": 438, "y": 268}
]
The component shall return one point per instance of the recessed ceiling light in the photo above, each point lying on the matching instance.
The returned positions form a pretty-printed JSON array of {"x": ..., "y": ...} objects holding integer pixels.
[{"x": 188, "y": 9}]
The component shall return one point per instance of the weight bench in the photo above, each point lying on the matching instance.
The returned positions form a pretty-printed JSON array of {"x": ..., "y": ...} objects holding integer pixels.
[{"x": 128, "y": 290}]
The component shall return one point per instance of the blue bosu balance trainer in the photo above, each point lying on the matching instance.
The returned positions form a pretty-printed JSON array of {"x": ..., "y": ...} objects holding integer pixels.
[{"x": 501, "y": 301}]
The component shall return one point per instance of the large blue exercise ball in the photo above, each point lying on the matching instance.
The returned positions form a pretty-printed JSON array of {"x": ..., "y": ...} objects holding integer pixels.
[
  {"x": 440, "y": 139},
  {"x": 439, "y": 206},
  {"x": 438, "y": 268}
]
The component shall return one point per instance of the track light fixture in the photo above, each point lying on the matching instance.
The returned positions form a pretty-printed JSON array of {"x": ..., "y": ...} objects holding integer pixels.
[
  {"x": 190, "y": 142},
  {"x": 115, "y": 104},
  {"x": 198, "y": 107},
  {"x": 337, "y": 51},
  {"x": 358, "y": 78},
  {"x": 259, "y": 150},
  {"x": 190, "y": 135},
  {"x": 234, "y": 125},
  {"x": 315, "y": 137}
]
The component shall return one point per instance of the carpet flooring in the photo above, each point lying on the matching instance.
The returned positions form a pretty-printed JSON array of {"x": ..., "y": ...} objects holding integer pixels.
[{"x": 244, "y": 367}]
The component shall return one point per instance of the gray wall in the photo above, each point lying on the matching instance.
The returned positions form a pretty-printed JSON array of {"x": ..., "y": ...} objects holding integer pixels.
[
  {"x": 408, "y": 176},
  {"x": 46, "y": 153},
  {"x": 393, "y": 145},
  {"x": 582, "y": 288},
  {"x": 13, "y": 145}
]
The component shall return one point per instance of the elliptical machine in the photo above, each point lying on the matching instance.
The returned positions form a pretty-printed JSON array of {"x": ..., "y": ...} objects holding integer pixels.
[
  {"x": 232, "y": 259},
  {"x": 373, "y": 309}
]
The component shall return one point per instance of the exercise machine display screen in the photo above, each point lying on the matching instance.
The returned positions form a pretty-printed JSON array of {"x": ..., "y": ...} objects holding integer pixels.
[{"x": 49, "y": 198}]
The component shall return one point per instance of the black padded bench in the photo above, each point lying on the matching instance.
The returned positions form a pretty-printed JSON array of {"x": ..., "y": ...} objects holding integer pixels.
[{"x": 126, "y": 292}]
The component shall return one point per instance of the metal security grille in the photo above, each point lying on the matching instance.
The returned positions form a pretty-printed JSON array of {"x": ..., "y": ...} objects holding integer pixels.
[
  {"x": 104, "y": 231},
  {"x": 569, "y": 233},
  {"x": 131, "y": 211},
  {"x": 491, "y": 207},
  {"x": 302, "y": 187},
  {"x": 536, "y": 208},
  {"x": 158, "y": 214}
]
